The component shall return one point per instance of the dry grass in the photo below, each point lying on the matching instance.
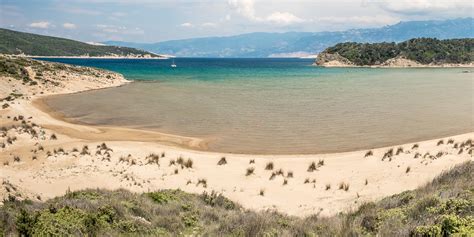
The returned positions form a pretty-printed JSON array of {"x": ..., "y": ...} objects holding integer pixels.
[
  {"x": 328, "y": 186},
  {"x": 320, "y": 163},
  {"x": 222, "y": 161},
  {"x": 269, "y": 166},
  {"x": 188, "y": 163},
  {"x": 250, "y": 171},
  {"x": 312, "y": 167},
  {"x": 344, "y": 186}
]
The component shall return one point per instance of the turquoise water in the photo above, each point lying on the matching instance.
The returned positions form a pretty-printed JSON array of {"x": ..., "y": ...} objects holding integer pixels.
[{"x": 278, "y": 106}]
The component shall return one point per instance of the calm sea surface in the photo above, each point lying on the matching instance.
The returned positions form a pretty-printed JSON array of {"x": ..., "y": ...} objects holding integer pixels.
[{"x": 278, "y": 106}]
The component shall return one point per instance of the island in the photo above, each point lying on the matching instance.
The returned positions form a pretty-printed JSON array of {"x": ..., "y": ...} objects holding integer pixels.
[{"x": 419, "y": 52}]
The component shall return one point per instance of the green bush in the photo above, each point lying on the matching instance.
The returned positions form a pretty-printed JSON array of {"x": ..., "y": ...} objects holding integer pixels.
[{"x": 427, "y": 231}]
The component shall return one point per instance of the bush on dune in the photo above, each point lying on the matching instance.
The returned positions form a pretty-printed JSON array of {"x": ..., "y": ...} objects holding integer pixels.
[{"x": 444, "y": 207}]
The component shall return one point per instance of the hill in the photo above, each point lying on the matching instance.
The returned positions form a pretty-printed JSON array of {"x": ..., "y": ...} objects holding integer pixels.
[
  {"x": 304, "y": 43},
  {"x": 443, "y": 207},
  {"x": 423, "y": 51},
  {"x": 14, "y": 42}
]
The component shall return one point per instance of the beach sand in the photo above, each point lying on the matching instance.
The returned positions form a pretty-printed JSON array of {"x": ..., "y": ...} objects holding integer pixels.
[{"x": 43, "y": 166}]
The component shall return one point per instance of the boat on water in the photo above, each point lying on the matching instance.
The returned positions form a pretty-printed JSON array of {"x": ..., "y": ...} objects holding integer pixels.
[{"x": 173, "y": 65}]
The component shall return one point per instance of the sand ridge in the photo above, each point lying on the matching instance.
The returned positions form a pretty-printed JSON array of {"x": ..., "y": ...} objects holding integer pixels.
[{"x": 59, "y": 156}]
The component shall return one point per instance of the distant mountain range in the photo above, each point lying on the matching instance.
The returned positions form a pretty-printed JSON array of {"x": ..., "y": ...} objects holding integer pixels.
[
  {"x": 304, "y": 43},
  {"x": 15, "y": 42}
]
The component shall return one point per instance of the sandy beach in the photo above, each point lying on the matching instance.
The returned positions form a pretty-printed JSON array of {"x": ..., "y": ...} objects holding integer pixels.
[{"x": 44, "y": 156}]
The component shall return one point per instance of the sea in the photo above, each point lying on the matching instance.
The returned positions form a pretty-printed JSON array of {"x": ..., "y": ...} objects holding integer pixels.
[{"x": 277, "y": 105}]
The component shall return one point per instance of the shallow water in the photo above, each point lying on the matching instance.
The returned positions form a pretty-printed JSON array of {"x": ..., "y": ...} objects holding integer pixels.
[{"x": 278, "y": 106}]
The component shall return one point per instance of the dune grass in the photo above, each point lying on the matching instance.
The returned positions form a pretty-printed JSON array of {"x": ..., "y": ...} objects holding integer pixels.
[{"x": 443, "y": 207}]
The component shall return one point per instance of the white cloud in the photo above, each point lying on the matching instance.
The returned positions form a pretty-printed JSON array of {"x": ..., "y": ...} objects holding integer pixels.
[
  {"x": 69, "y": 26},
  {"x": 40, "y": 24},
  {"x": 246, "y": 8},
  {"x": 187, "y": 24},
  {"x": 283, "y": 18},
  {"x": 410, "y": 7}
]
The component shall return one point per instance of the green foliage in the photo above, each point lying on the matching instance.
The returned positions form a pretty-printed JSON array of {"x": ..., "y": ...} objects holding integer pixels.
[
  {"x": 14, "y": 42},
  {"x": 453, "y": 224},
  {"x": 422, "y": 50},
  {"x": 444, "y": 207},
  {"x": 63, "y": 222},
  {"x": 427, "y": 231},
  {"x": 163, "y": 197},
  {"x": 215, "y": 199}
]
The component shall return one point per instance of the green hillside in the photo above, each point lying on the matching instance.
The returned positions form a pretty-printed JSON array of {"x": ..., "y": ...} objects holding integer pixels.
[
  {"x": 14, "y": 42},
  {"x": 422, "y": 50},
  {"x": 444, "y": 207}
]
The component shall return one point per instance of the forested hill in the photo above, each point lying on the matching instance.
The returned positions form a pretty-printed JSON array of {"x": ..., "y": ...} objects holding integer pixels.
[
  {"x": 14, "y": 42},
  {"x": 421, "y": 50}
]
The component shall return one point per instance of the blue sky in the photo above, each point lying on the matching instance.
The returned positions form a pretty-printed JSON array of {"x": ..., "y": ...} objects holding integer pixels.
[{"x": 159, "y": 20}]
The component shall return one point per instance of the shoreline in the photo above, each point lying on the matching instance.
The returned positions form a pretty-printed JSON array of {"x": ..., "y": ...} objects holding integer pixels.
[
  {"x": 76, "y": 159},
  {"x": 98, "y": 57}
]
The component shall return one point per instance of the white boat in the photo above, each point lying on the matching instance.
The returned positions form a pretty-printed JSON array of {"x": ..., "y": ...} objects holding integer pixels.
[{"x": 173, "y": 64}]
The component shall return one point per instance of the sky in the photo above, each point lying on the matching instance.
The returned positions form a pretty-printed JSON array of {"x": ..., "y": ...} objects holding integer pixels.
[{"x": 159, "y": 20}]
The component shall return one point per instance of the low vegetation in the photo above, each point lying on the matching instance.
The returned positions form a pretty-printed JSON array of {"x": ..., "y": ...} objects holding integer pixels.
[{"x": 444, "y": 207}]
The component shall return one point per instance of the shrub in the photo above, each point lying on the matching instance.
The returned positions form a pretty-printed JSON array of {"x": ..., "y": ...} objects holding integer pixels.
[
  {"x": 262, "y": 192},
  {"x": 408, "y": 169},
  {"x": 272, "y": 176},
  {"x": 328, "y": 186},
  {"x": 369, "y": 153},
  {"x": 203, "y": 182},
  {"x": 399, "y": 150},
  {"x": 312, "y": 167},
  {"x": 320, "y": 163},
  {"x": 250, "y": 171},
  {"x": 217, "y": 200},
  {"x": 53, "y": 137},
  {"x": 269, "y": 166},
  {"x": 440, "y": 142},
  {"x": 222, "y": 161},
  {"x": 289, "y": 174},
  {"x": 189, "y": 163},
  {"x": 427, "y": 231},
  {"x": 180, "y": 160},
  {"x": 415, "y": 146},
  {"x": 252, "y": 161},
  {"x": 388, "y": 154},
  {"x": 344, "y": 186},
  {"x": 163, "y": 196}
]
